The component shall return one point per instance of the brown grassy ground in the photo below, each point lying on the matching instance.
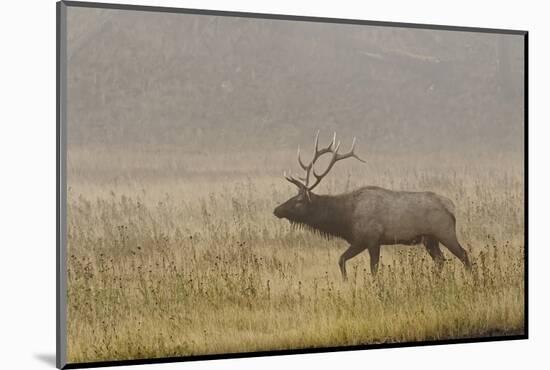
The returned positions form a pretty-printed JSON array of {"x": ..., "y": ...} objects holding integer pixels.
[{"x": 177, "y": 255}]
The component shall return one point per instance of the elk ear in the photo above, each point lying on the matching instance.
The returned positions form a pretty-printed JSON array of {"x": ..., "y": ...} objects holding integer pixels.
[{"x": 304, "y": 194}]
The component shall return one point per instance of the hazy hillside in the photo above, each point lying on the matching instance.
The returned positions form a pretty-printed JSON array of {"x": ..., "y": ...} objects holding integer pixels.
[{"x": 153, "y": 78}]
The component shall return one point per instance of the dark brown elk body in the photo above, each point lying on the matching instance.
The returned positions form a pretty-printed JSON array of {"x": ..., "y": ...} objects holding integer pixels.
[{"x": 370, "y": 217}]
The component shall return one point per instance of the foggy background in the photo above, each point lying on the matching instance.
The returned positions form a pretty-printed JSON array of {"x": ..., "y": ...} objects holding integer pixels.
[{"x": 227, "y": 84}]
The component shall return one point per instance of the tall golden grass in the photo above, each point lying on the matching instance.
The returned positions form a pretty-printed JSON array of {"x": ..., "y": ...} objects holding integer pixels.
[{"x": 179, "y": 255}]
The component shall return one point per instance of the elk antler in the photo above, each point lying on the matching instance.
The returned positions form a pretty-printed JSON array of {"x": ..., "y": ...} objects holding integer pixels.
[{"x": 317, "y": 153}]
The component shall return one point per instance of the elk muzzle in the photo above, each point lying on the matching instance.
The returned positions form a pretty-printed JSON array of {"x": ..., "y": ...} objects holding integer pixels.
[{"x": 278, "y": 212}]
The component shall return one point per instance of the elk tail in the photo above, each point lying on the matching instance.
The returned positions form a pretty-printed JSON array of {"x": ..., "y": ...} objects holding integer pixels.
[{"x": 448, "y": 205}]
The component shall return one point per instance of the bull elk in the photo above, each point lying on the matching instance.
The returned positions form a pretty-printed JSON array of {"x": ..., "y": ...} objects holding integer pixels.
[{"x": 370, "y": 217}]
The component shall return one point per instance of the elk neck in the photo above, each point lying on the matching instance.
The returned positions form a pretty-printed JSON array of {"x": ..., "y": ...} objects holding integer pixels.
[{"x": 330, "y": 215}]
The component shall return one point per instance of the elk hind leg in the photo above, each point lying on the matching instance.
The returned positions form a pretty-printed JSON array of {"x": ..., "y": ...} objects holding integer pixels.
[
  {"x": 451, "y": 242},
  {"x": 432, "y": 246}
]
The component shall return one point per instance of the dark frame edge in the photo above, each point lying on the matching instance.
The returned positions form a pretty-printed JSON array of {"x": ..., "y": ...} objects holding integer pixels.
[
  {"x": 526, "y": 181},
  {"x": 287, "y": 17},
  {"x": 61, "y": 201},
  {"x": 223, "y": 356}
]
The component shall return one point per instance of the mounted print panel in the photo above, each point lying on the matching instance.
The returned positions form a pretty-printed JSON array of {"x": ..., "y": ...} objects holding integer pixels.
[{"x": 236, "y": 184}]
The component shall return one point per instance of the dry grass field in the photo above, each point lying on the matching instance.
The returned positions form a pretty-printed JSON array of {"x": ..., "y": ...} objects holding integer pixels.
[{"x": 179, "y": 254}]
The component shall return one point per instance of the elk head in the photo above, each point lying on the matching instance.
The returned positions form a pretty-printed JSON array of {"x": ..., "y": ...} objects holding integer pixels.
[{"x": 301, "y": 207}]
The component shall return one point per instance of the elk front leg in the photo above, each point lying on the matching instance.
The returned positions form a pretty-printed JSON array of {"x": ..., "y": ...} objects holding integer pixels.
[
  {"x": 351, "y": 252},
  {"x": 374, "y": 252}
]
